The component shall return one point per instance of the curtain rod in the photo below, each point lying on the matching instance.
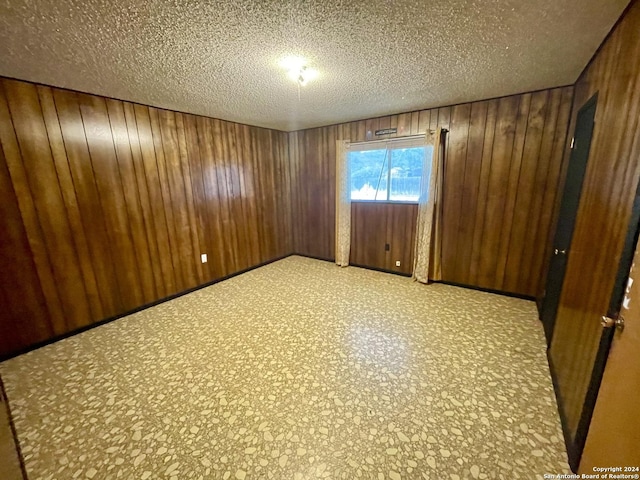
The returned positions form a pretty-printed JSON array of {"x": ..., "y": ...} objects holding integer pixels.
[
  {"x": 398, "y": 139},
  {"x": 444, "y": 130}
]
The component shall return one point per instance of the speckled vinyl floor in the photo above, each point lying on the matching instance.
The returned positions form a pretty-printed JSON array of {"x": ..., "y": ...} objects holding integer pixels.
[{"x": 297, "y": 370}]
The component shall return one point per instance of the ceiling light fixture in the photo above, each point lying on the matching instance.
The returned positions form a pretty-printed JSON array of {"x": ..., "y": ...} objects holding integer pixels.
[
  {"x": 302, "y": 75},
  {"x": 298, "y": 71}
]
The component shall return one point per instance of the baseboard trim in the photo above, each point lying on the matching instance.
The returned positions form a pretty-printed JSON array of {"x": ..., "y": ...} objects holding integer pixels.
[
  {"x": 99, "y": 323},
  {"x": 402, "y": 274},
  {"x": 366, "y": 267},
  {"x": 383, "y": 270},
  {"x": 488, "y": 290},
  {"x": 315, "y": 257}
]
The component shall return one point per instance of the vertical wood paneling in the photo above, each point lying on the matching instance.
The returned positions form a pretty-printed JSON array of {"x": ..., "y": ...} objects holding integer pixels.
[
  {"x": 212, "y": 198},
  {"x": 483, "y": 192},
  {"x": 551, "y": 198},
  {"x": 315, "y": 185},
  {"x": 604, "y": 212},
  {"x": 498, "y": 191},
  {"x": 424, "y": 118},
  {"x": 369, "y": 234},
  {"x": 167, "y": 202},
  {"x": 238, "y": 206},
  {"x": 185, "y": 176},
  {"x": 142, "y": 190},
  {"x": 283, "y": 198},
  {"x": 253, "y": 179},
  {"x": 401, "y": 229},
  {"x": 234, "y": 178},
  {"x": 502, "y": 170},
  {"x": 77, "y": 154},
  {"x": 521, "y": 225},
  {"x": 470, "y": 191},
  {"x": 110, "y": 205},
  {"x": 225, "y": 178},
  {"x": 111, "y": 193},
  {"x": 454, "y": 172},
  {"x": 403, "y": 124},
  {"x": 512, "y": 187},
  {"x": 44, "y": 189},
  {"x": 197, "y": 192},
  {"x": 374, "y": 225},
  {"x": 298, "y": 222},
  {"x": 549, "y": 181},
  {"x": 176, "y": 189},
  {"x": 131, "y": 194},
  {"x": 24, "y": 317},
  {"x": 158, "y": 220},
  {"x": 27, "y": 208},
  {"x": 253, "y": 174},
  {"x": 65, "y": 178}
]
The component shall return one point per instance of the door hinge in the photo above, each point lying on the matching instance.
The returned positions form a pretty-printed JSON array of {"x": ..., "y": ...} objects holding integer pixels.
[{"x": 573, "y": 142}]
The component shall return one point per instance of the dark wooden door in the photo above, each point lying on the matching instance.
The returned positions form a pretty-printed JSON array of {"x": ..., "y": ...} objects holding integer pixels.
[
  {"x": 567, "y": 216},
  {"x": 577, "y": 443},
  {"x": 596, "y": 366},
  {"x": 580, "y": 348}
]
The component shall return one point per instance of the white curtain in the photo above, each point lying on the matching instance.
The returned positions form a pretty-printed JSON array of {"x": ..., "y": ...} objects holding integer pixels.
[
  {"x": 343, "y": 204},
  {"x": 428, "y": 245}
]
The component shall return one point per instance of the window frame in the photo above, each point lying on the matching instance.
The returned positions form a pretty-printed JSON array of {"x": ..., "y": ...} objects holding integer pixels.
[{"x": 388, "y": 145}]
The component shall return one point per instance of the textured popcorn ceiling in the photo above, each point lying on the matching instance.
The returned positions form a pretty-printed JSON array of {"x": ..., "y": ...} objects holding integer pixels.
[{"x": 220, "y": 58}]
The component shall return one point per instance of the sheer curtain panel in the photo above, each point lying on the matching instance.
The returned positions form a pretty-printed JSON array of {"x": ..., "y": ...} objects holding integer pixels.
[
  {"x": 343, "y": 204},
  {"x": 428, "y": 242}
]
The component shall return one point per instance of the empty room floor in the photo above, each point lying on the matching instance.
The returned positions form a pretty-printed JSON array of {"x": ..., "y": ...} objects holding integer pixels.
[{"x": 298, "y": 369}]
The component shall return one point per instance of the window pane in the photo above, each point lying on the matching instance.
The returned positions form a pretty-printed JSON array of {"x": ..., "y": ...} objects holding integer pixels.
[
  {"x": 406, "y": 172},
  {"x": 369, "y": 170}
]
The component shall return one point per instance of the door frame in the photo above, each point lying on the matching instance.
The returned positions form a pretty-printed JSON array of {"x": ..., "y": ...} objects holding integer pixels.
[
  {"x": 606, "y": 339},
  {"x": 549, "y": 314},
  {"x": 575, "y": 446}
]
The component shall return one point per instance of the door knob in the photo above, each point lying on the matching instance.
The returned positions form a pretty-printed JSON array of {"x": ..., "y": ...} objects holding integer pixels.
[
  {"x": 556, "y": 251},
  {"x": 608, "y": 322}
]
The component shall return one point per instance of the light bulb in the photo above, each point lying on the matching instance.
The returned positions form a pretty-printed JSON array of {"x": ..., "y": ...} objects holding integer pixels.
[{"x": 298, "y": 71}]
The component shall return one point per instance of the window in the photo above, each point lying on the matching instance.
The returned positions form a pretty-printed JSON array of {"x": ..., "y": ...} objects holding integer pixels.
[{"x": 387, "y": 171}]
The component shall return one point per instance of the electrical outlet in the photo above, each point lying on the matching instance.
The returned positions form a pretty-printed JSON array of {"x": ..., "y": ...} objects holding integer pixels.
[
  {"x": 203, "y": 258},
  {"x": 397, "y": 263}
]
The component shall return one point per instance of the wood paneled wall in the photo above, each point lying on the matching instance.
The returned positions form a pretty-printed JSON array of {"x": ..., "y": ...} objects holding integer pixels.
[
  {"x": 107, "y": 205},
  {"x": 502, "y": 174},
  {"x": 375, "y": 225},
  {"x": 21, "y": 295},
  {"x": 604, "y": 212}
]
